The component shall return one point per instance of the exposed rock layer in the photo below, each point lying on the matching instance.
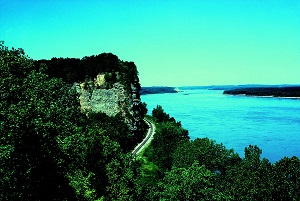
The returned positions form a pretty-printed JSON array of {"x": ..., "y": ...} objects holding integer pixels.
[{"x": 113, "y": 101}]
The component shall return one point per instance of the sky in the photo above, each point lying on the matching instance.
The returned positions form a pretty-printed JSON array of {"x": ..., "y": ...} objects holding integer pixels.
[{"x": 172, "y": 42}]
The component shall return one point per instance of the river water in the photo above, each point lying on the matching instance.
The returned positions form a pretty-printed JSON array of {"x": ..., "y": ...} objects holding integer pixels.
[{"x": 273, "y": 124}]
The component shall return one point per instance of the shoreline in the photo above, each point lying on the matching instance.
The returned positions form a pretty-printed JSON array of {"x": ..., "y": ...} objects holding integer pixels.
[
  {"x": 157, "y": 90},
  {"x": 256, "y": 96}
]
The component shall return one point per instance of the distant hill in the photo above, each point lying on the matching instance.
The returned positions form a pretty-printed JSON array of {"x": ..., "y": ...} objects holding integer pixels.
[
  {"x": 266, "y": 91},
  {"x": 232, "y": 87},
  {"x": 157, "y": 90}
]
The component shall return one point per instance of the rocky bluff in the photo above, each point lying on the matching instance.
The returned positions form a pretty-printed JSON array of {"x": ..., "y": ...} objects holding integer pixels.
[
  {"x": 96, "y": 96},
  {"x": 105, "y": 84}
]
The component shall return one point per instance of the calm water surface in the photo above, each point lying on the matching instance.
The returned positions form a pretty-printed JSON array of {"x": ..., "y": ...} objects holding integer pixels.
[{"x": 236, "y": 121}]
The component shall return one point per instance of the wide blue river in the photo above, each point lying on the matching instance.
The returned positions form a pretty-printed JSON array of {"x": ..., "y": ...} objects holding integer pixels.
[{"x": 273, "y": 124}]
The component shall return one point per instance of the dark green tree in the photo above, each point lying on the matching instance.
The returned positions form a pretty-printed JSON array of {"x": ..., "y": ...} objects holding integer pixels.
[
  {"x": 192, "y": 183},
  {"x": 159, "y": 114},
  {"x": 165, "y": 141},
  {"x": 286, "y": 179},
  {"x": 251, "y": 179},
  {"x": 206, "y": 152},
  {"x": 35, "y": 112}
]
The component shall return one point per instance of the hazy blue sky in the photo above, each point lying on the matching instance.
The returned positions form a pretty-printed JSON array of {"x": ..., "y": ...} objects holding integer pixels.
[{"x": 172, "y": 42}]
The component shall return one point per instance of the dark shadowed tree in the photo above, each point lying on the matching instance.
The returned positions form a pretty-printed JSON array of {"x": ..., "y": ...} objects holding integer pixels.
[
  {"x": 166, "y": 139},
  {"x": 35, "y": 112}
]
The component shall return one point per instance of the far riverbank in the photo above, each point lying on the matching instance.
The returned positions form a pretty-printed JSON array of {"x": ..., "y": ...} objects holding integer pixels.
[
  {"x": 157, "y": 90},
  {"x": 277, "y": 92}
]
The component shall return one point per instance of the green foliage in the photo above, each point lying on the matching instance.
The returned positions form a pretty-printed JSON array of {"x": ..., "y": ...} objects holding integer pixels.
[
  {"x": 192, "y": 183},
  {"x": 114, "y": 127},
  {"x": 141, "y": 108},
  {"x": 120, "y": 175},
  {"x": 159, "y": 115},
  {"x": 34, "y": 108},
  {"x": 81, "y": 182},
  {"x": 206, "y": 152},
  {"x": 77, "y": 70},
  {"x": 166, "y": 139},
  {"x": 286, "y": 179},
  {"x": 251, "y": 178}
]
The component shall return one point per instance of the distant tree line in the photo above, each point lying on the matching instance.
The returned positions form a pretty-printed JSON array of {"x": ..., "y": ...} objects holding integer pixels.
[
  {"x": 157, "y": 90},
  {"x": 266, "y": 91}
]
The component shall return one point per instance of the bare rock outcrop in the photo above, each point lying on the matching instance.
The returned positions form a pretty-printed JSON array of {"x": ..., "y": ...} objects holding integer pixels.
[{"x": 113, "y": 101}]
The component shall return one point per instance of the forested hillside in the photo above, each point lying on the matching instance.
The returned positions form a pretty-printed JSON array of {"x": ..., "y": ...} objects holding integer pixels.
[
  {"x": 291, "y": 91},
  {"x": 50, "y": 149},
  {"x": 157, "y": 90}
]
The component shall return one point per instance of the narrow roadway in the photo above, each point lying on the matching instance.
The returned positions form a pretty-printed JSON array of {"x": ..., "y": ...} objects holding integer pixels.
[{"x": 147, "y": 139}]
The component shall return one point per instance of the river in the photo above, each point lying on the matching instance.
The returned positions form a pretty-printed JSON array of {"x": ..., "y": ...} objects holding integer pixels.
[{"x": 273, "y": 124}]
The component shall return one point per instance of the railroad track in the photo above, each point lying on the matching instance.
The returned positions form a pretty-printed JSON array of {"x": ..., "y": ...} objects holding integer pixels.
[{"x": 147, "y": 139}]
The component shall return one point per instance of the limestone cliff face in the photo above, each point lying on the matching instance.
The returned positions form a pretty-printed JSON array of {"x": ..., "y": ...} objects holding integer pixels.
[{"x": 116, "y": 100}]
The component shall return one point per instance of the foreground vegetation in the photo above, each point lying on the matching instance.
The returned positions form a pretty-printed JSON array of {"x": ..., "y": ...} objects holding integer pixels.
[{"x": 49, "y": 150}]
